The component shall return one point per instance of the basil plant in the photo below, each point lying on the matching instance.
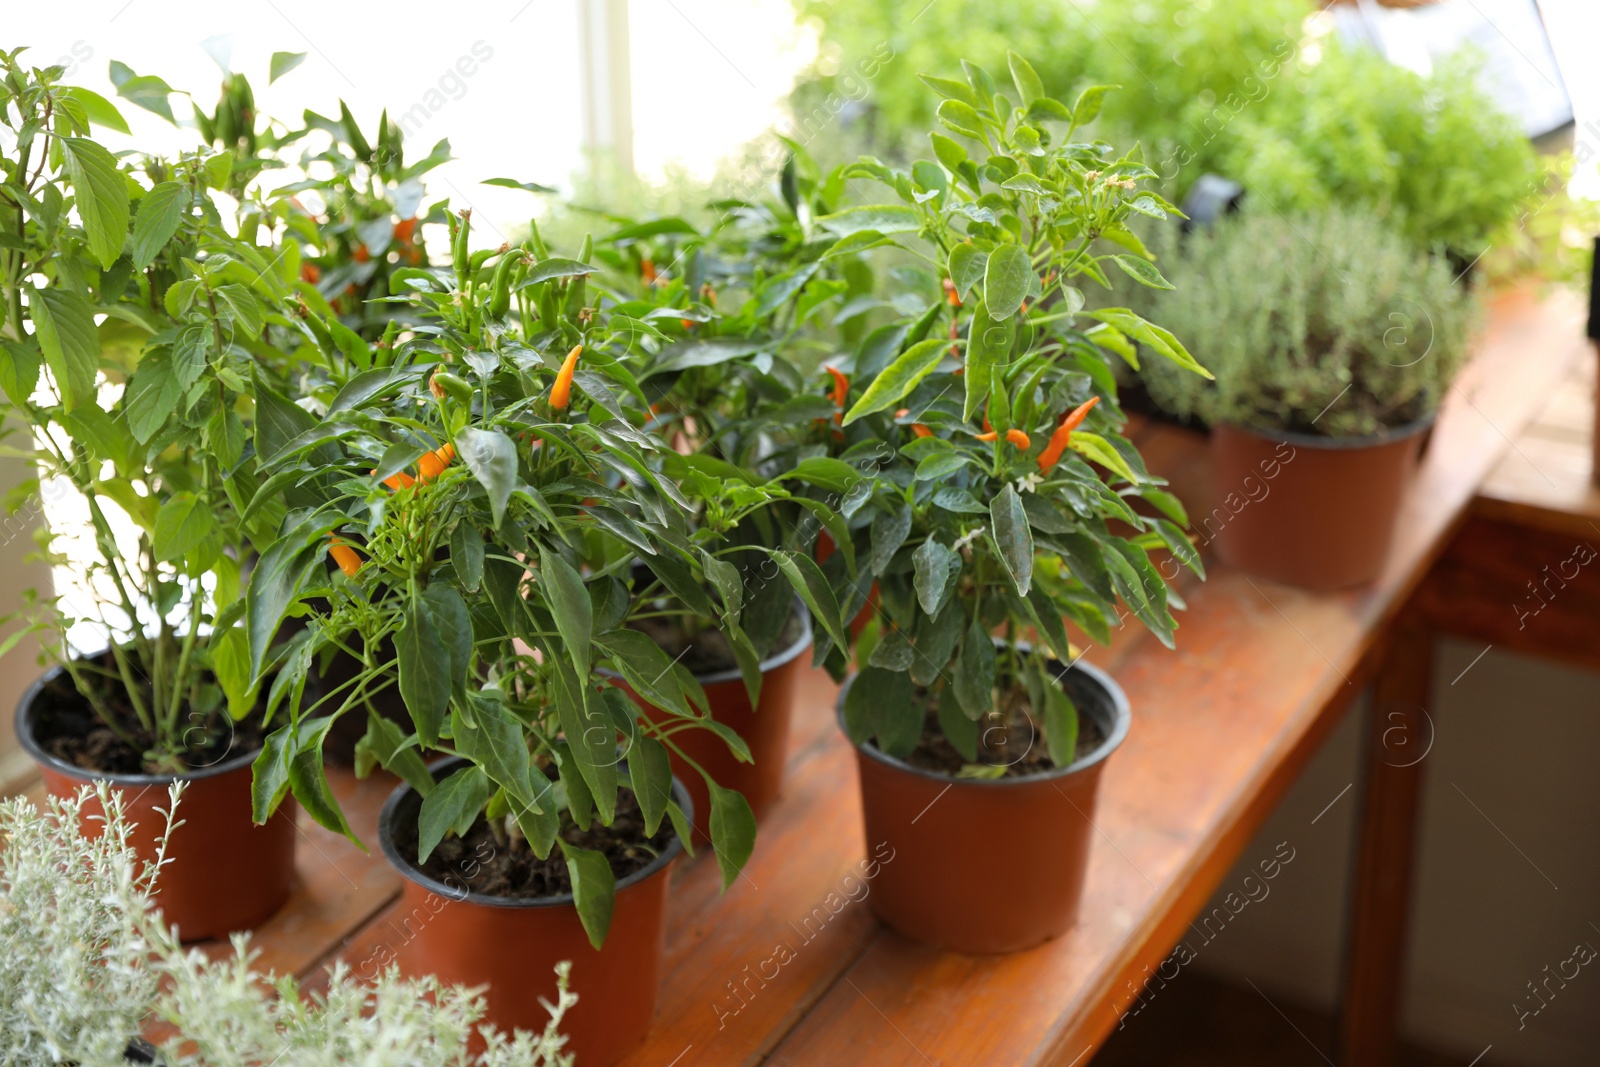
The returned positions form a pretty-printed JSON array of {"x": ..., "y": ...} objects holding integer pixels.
[
  {"x": 131, "y": 321},
  {"x": 999, "y": 497}
]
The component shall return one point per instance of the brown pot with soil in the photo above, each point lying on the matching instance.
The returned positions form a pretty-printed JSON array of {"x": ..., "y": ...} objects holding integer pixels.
[
  {"x": 223, "y": 873},
  {"x": 482, "y": 912},
  {"x": 988, "y": 865},
  {"x": 1314, "y": 512},
  {"x": 764, "y": 727}
]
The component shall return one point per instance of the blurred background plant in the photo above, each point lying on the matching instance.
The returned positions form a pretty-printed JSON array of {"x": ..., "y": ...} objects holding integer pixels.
[{"x": 1326, "y": 323}]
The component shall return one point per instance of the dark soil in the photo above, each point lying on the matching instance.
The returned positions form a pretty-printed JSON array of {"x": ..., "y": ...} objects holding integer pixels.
[
  {"x": 480, "y": 863},
  {"x": 708, "y": 651},
  {"x": 68, "y": 728},
  {"x": 1014, "y": 740}
]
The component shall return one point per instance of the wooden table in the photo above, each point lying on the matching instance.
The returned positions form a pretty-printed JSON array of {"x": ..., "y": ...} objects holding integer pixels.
[{"x": 1221, "y": 728}]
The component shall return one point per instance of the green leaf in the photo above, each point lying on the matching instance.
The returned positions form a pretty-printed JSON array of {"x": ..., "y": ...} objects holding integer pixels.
[
  {"x": 967, "y": 267},
  {"x": 975, "y": 672},
  {"x": 97, "y": 108},
  {"x": 899, "y": 378},
  {"x": 889, "y": 531},
  {"x": 650, "y": 773},
  {"x": 988, "y": 348},
  {"x": 881, "y": 704},
  {"x": 454, "y": 623},
  {"x": 278, "y": 422},
  {"x": 568, "y": 601},
  {"x": 63, "y": 323},
  {"x": 591, "y": 735},
  {"x": 512, "y": 183},
  {"x": 882, "y": 218},
  {"x": 960, "y": 731},
  {"x": 274, "y": 585},
  {"x": 647, "y": 669},
  {"x": 491, "y": 456},
  {"x": 269, "y": 774},
  {"x": 1089, "y": 103},
  {"x": 1148, "y": 333},
  {"x": 466, "y": 554},
  {"x": 1013, "y": 537},
  {"x": 1048, "y": 618},
  {"x": 183, "y": 524},
  {"x": 949, "y": 88},
  {"x": 961, "y": 117},
  {"x": 949, "y": 152},
  {"x": 823, "y": 471},
  {"x": 144, "y": 90},
  {"x": 807, "y": 579},
  {"x": 733, "y": 830},
  {"x": 424, "y": 673},
  {"x": 1098, "y": 449},
  {"x": 496, "y": 741},
  {"x": 385, "y": 743},
  {"x": 937, "y": 567},
  {"x": 1005, "y": 280},
  {"x": 681, "y": 583},
  {"x": 310, "y": 784},
  {"x": 452, "y": 807},
  {"x": 19, "y": 371},
  {"x": 552, "y": 268},
  {"x": 160, "y": 212},
  {"x": 1142, "y": 271},
  {"x": 282, "y": 63},
  {"x": 1029, "y": 87},
  {"x": 594, "y": 889},
  {"x": 1060, "y": 723},
  {"x": 101, "y": 194}
]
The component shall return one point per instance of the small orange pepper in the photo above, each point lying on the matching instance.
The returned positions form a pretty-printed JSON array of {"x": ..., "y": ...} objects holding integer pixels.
[
  {"x": 951, "y": 294},
  {"x": 404, "y": 229},
  {"x": 992, "y": 435},
  {"x": 432, "y": 464},
  {"x": 310, "y": 272},
  {"x": 1063, "y": 434},
  {"x": 647, "y": 271},
  {"x": 361, "y": 254},
  {"x": 561, "y": 392},
  {"x": 344, "y": 556},
  {"x": 401, "y": 480},
  {"x": 841, "y": 391},
  {"x": 1020, "y": 439}
]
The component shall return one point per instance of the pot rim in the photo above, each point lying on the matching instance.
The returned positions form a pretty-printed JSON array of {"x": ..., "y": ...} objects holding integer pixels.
[
  {"x": 771, "y": 663},
  {"x": 1121, "y": 720},
  {"x": 406, "y": 870},
  {"x": 1315, "y": 440},
  {"x": 25, "y": 722},
  {"x": 774, "y": 660}
]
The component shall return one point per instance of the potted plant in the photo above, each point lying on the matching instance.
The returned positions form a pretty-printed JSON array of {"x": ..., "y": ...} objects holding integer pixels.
[
  {"x": 87, "y": 961},
  {"x": 482, "y": 501},
  {"x": 1329, "y": 369},
  {"x": 1002, "y": 510},
  {"x": 183, "y": 307}
]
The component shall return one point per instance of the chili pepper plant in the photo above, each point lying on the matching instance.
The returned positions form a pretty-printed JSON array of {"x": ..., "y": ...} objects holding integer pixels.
[
  {"x": 482, "y": 501},
  {"x": 1009, "y": 506}
]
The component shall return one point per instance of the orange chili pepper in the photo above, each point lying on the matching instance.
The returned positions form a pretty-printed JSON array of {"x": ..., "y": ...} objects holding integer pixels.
[
  {"x": 561, "y": 392},
  {"x": 1063, "y": 434},
  {"x": 841, "y": 391},
  {"x": 1020, "y": 439},
  {"x": 344, "y": 556},
  {"x": 402, "y": 480},
  {"x": 992, "y": 435},
  {"x": 432, "y": 464},
  {"x": 951, "y": 294},
  {"x": 310, "y": 272},
  {"x": 404, "y": 229},
  {"x": 921, "y": 430},
  {"x": 362, "y": 255},
  {"x": 647, "y": 271}
]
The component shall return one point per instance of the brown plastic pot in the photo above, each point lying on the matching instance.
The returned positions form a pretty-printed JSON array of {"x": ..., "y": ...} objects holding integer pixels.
[
  {"x": 1314, "y": 512},
  {"x": 513, "y": 944},
  {"x": 986, "y": 866},
  {"x": 764, "y": 728},
  {"x": 223, "y": 873}
]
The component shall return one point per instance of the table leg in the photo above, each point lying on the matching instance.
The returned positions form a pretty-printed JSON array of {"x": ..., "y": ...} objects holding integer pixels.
[{"x": 1397, "y": 737}]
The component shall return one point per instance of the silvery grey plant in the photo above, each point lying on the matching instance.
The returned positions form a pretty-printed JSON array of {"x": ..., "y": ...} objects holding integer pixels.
[
  {"x": 86, "y": 962},
  {"x": 1329, "y": 323}
]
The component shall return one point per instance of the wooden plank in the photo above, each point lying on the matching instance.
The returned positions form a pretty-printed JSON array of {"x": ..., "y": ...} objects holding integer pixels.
[
  {"x": 1398, "y": 732},
  {"x": 1520, "y": 588}
]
